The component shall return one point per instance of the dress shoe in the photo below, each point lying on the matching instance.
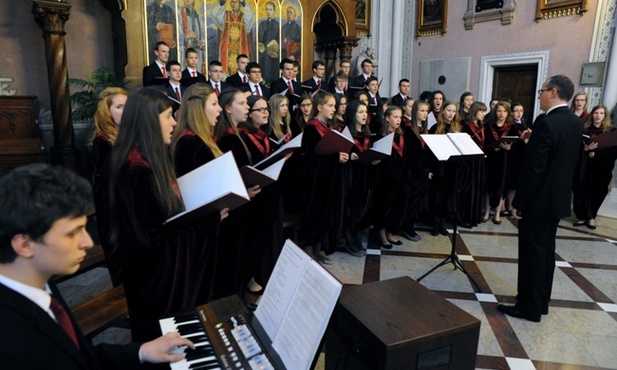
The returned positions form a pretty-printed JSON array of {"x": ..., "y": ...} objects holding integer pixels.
[
  {"x": 411, "y": 235},
  {"x": 579, "y": 223},
  {"x": 484, "y": 220},
  {"x": 465, "y": 225},
  {"x": 320, "y": 256},
  {"x": 591, "y": 224},
  {"x": 395, "y": 242},
  {"x": 435, "y": 231},
  {"x": 442, "y": 230},
  {"x": 516, "y": 312},
  {"x": 354, "y": 251},
  {"x": 496, "y": 222},
  {"x": 386, "y": 246}
]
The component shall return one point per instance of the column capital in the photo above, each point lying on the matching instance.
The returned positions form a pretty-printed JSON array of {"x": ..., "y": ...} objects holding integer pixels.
[{"x": 51, "y": 15}]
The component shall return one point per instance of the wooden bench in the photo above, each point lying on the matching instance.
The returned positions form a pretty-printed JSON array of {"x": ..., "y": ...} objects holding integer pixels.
[{"x": 99, "y": 313}]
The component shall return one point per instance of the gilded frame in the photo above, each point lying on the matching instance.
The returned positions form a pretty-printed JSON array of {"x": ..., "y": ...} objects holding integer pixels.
[
  {"x": 363, "y": 14},
  {"x": 432, "y": 17},
  {"x": 548, "y": 9}
]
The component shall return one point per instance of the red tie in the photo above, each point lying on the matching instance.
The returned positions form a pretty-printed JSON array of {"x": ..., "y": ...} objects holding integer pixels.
[
  {"x": 194, "y": 74},
  {"x": 178, "y": 94},
  {"x": 291, "y": 90},
  {"x": 63, "y": 319},
  {"x": 244, "y": 80},
  {"x": 257, "y": 90},
  {"x": 164, "y": 72},
  {"x": 318, "y": 84},
  {"x": 216, "y": 89}
]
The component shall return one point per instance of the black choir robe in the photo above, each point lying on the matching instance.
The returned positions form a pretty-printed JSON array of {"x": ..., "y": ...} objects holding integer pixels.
[
  {"x": 472, "y": 202},
  {"x": 417, "y": 176},
  {"x": 497, "y": 161},
  {"x": 164, "y": 265},
  {"x": 360, "y": 192},
  {"x": 325, "y": 193},
  {"x": 596, "y": 174}
]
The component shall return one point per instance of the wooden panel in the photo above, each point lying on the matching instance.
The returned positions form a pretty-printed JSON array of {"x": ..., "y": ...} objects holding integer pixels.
[
  {"x": 98, "y": 313},
  {"x": 518, "y": 83}
]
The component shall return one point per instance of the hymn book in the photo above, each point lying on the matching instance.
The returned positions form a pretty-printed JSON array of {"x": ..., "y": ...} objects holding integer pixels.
[
  {"x": 281, "y": 152},
  {"x": 381, "y": 149},
  {"x": 252, "y": 176},
  {"x": 212, "y": 187},
  {"x": 335, "y": 142},
  {"x": 452, "y": 145}
]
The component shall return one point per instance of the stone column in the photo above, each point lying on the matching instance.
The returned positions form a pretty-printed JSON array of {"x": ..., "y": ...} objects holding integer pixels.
[{"x": 51, "y": 16}]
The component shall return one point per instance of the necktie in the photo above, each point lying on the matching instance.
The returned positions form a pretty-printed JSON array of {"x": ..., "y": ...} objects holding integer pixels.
[
  {"x": 178, "y": 94},
  {"x": 194, "y": 74},
  {"x": 257, "y": 90},
  {"x": 318, "y": 84},
  {"x": 291, "y": 89},
  {"x": 63, "y": 319},
  {"x": 244, "y": 80},
  {"x": 374, "y": 100},
  {"x": 164, "y": 72},
  {"x": 216, "y": 89}
]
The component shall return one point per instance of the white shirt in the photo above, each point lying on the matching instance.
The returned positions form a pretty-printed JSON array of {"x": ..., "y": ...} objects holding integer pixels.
[{"x": 38, "y": 296}]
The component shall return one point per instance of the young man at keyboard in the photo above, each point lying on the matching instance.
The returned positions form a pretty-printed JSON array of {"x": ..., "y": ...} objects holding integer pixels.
[{"x": 42, "y": 234}]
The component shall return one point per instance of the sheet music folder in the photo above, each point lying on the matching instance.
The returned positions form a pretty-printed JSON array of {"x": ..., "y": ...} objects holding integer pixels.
[
  {"x": 292, "y": 145},
  {"x": 605, "y": 141},
  {"x": 296, "y": 307},
  {"x": 212, "y": 187},
  {"x": 335, "y": 142},
  {"x": 381, "y": 149},
  {"x": 267, "y": 176},
  {"x": 453, "y": 146}
]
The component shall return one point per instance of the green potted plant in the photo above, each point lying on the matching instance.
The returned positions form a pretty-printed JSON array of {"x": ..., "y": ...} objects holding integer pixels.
[{"x": 84, "y": 102}]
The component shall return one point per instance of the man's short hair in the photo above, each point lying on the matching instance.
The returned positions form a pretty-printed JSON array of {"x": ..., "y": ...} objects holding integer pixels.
[
  {"x": 403, "y": 80},
  {"x": 241, "y": 56},
  {"x": 317, "y": 63},
  {"x": 564, "y": 86},
  {"x": 159, "y": 43},
  {"x": 172, "y": 63},
  {"x": 270, "y": 3},
  {"x": 251, "y": 66},
  {"x": 371, "y": 79},
  {"x": 367, "y": 60},
  {"x": 35, "y": 196},
  {"x": 190, "y": 50},
  {"x": 215, "y": 63},
  {"x": 340, "y": 75},
  {"x": 285, "y": 61},
  {"x": 344, "y": 60}
]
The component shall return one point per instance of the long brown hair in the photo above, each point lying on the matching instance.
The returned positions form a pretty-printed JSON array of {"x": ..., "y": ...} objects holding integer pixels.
[
  {"x": 275, "y": 116},
  {"x": 193, "y": 117},
  {"x": 455, "y": 125},
  {"x": 606, "y": 123}
]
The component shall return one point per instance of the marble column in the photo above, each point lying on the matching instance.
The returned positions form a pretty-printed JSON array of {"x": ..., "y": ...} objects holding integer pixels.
[{"x": 51, "y": 16}]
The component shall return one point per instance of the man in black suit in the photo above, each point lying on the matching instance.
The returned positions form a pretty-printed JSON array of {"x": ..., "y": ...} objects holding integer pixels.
[
  {"x": 340, "y": 85},
  {"x": 190, "y": 73},
  {"x": 543, "y": 196},
  {"x": 287, "y": 82},
  {"x": 239, "y": 78},
  {"x": 316, "y": 82},
  {"x": 367, "y": 72},
  {"x": 345, "y": 67},
  {"x": 42, "y": 234},
  {"x": 215, "y": 74},
  {"x": 255, "y": 85},
  {"x": 174, "y": 88},
  {"x": 403, "y": 89},
  {"x": 156, "y": 70}
]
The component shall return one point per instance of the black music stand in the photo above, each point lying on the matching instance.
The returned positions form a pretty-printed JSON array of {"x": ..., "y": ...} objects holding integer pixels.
[{"x": 458, "y": 149}]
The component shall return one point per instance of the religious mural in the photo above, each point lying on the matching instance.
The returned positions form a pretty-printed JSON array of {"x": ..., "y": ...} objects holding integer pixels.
[{"x": 265, "y": 30}]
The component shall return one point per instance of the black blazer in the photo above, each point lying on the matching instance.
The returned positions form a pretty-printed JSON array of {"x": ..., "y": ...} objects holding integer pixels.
[
  {"x": 171, "y": 92},
  {"x": 200, "y": 77},
  {"x": 150, "y": 74},
  {"x": 279, "y": 85},
  {"x": 313, "y": 85},
  {"x": 265, "y": 91},
  {"x": 397, "y": 100},
  {"x": 235, "y": 80},
  {"x": 31, "y": 340},
  {"x": 222, "y": 86},
  {"x": 547, "y": 169}
]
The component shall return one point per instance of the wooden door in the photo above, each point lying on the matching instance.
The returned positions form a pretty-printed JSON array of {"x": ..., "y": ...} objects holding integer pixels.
[{"x": 518, "y": 83}]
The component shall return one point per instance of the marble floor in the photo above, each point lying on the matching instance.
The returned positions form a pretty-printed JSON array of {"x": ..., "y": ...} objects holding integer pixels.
[{"x": 580, "y": 332}]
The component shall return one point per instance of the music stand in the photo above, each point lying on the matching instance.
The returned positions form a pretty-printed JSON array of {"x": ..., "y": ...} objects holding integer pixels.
[{"x": 458, "y": 148}]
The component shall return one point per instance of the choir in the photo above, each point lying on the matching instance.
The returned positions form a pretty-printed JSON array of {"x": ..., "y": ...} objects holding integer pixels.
[{"x": 334, "y": 193}]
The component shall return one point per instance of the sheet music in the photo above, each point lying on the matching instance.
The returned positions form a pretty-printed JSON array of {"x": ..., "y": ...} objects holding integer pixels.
[
  {"x": 297, "y": 305},
  {"x": 210, "y": 182},
  {"x": 465, "y": 143},
  {"x": 384, "y": 145},
  {"x": 294, "y": 143}
]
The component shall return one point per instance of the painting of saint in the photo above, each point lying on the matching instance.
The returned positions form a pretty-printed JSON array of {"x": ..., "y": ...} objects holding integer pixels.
[
  {"x": 291, "y": 32},
  {"x": 161, "y": 20},
  {"x": 235, "y": 20},
  {"x": 192, "y": 32},
  {"x": 268, "y": 43}
]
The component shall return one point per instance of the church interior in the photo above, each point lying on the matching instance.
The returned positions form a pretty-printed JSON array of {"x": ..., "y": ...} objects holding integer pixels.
[{"x": 491, "y": 48}]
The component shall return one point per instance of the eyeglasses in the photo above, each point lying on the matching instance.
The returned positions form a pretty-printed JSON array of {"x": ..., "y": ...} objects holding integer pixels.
[
  {"x": 306, "y": 105},
  {"x": 261, "y": 110},
  {"x": 543, "y": 90}
]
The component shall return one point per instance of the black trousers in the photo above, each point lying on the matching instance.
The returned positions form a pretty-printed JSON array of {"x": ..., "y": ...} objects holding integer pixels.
[{"x": 536, "y": 263}]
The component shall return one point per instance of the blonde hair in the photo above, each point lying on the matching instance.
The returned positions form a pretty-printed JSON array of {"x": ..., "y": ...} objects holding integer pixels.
[
  {"x": 104, "y": 124},
  {"x": 275, "y": 116},
  {"x": 455, "y": 125},
  {"x": 606, "y": 123},
  {"x": 192, "y": 116}
]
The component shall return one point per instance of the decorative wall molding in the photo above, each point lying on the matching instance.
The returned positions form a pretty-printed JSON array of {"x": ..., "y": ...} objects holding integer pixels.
[
  {"x": 5, "y": 88},
  {"x": 505, "y": 14}
]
